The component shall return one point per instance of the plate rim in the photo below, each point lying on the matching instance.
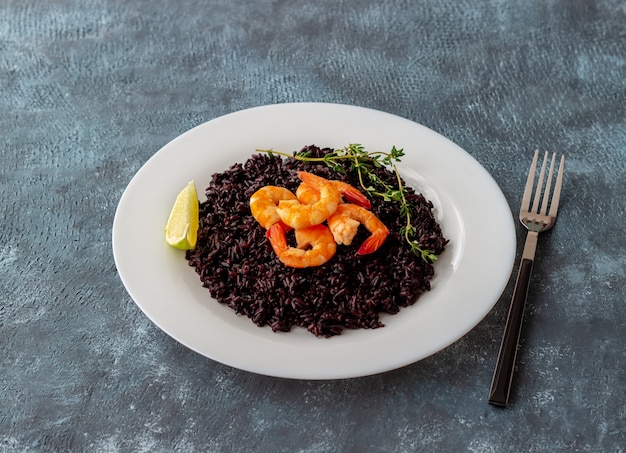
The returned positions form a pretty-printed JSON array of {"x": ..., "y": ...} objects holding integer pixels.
[{"x": 507, "y": 263}]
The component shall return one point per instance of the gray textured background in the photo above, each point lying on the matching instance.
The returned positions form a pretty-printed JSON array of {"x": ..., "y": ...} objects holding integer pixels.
[{"x": 91, "y": 89}]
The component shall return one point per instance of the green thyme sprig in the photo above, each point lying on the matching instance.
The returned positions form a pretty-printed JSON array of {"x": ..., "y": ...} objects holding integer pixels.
[{"x": 363, "y": 162}]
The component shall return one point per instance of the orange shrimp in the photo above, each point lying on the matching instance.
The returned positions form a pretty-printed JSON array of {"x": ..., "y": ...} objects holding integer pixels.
[
  {"x": 264, "y": 204},
  {"x": 344, "y": 224},
  {"x": 298, "y": 215},
  {"x": 307, "y": 194},
  {"x": 348, "y": 192},
  {"x": 315, "y": 246}
]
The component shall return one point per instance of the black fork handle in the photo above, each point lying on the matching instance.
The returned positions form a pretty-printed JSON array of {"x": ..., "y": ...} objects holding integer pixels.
[{"x": 503, "y": 374}]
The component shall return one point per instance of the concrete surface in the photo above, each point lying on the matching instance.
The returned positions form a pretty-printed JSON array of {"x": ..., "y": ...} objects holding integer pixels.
[{"x": 91, "y": 89}]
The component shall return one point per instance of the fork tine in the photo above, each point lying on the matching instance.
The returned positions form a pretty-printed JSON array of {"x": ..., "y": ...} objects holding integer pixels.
[
  {"x": 535, "y": 208},
  {"x": 554, "y": 205},
  {"x": 528, "y": 190},
  {"x": 546, "y": 195}
]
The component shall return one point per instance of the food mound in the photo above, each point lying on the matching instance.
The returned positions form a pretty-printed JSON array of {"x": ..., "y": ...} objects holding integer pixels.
[
  {"x": 236, "y": 262},
  {"x": 317, "y": 201}
]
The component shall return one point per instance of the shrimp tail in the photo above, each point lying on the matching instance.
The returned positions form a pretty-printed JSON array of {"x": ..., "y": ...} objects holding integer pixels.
[
  {"x": 354, "y": 196},
  {"x": 277, "y": 238},
  {"x": 373, "y": 243},
  {"x": 286, "y": 228},
  {"x": 350, "y": 193}
]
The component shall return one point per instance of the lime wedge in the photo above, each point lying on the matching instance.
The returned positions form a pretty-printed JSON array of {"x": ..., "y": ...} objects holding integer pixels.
[{"x": 181, "y": 230}]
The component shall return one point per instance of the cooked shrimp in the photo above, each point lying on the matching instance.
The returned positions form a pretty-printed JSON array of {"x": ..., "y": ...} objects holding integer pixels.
[
  {"x": 264, "y": 203},
  {"x": 348, "y": 192},
  {"x": 307, "y": 194},
  {"x": 298, "y": 215},
  {"x": 344, "y": 224},
  {"x": 315, "y": 246}
]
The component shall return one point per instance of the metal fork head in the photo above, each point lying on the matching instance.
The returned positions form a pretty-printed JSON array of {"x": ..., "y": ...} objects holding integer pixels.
[{"x": 534, "y": 213}]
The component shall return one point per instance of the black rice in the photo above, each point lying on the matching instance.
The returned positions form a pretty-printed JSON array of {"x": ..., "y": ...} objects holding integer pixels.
[{"x": 235, "y": 261}]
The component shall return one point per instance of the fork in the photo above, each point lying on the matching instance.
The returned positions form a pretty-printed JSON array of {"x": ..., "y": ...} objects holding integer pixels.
[{"x": 536, "y": 219}]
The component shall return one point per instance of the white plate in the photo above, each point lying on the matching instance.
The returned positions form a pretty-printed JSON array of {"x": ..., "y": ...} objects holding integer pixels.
[{"x": 470, "y": 275}]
